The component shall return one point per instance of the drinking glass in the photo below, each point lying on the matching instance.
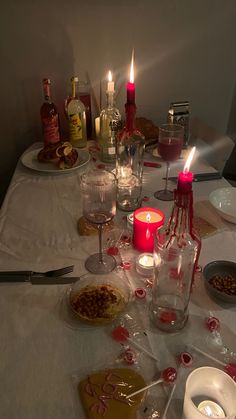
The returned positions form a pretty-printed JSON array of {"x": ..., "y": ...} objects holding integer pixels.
[
  {"x": 209, "y": 392},
  {"x": 98, "y": 189},
  {"x": 170, "y": 143}
]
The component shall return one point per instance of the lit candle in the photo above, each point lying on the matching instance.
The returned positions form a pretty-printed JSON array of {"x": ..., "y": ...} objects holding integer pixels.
[
  {"x": 110, "y": 84},
  {"x": 146, "y": 221},
  {"x": 130, "y": 84},
  {"x": 185, "y": 178},
  {"x": 211, "y": 409},
  {"x": 145, "y": 264}
]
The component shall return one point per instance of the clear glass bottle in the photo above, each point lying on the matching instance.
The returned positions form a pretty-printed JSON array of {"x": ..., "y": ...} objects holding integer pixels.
[
  {"x": 130, "y": 148},
  {"x": 110, "y": 124},
  {"x": 176, "y": 254},
  {"x": 49, "y": 116},
  {"x": 85, "y": 97},
  {"x": 75, "y": 111}
]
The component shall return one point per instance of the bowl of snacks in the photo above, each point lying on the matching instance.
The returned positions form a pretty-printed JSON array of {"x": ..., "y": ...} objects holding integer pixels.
[
  {"x": 220, "y": 280},
  {"x": 224, "y": 201},
  {"x": 98, "y": 299}
]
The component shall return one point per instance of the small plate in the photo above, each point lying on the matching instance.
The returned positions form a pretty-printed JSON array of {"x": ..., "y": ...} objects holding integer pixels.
[
  {"x": 29, "y": 160},
  {"x": 91, "y": 294},
  {"x": 221, "y": 268}
]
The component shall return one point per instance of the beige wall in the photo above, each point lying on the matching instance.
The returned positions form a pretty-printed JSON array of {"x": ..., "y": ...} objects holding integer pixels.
[{"x": 185, "y": 50}]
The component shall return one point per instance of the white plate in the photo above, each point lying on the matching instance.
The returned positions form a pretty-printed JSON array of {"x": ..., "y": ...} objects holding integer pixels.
[
  {"x": 29, "y": 160},
  {"x": 224, "y": 201}
]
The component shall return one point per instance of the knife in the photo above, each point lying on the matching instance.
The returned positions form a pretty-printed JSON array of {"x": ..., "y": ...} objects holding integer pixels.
[
  {"x": 41, "y": 280},
  {"x": 200, "y": 177}
]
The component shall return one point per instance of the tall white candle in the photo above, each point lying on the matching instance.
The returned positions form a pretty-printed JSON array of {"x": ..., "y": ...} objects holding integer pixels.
[{"x": 110, "y": 84}]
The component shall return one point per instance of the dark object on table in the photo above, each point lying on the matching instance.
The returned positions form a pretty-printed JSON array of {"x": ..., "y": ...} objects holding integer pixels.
[
  {"x": 179, "y": 114},
  {"x": 220, "y": 280},
  {"x": 148, "y": 129}
]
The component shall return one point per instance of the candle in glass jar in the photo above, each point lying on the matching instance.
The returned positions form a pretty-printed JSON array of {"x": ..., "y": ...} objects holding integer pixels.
[
  {"x": 211, "y": 409},
  {"x": 146, "y": 221},
  {"x": 145, "y": 264}
]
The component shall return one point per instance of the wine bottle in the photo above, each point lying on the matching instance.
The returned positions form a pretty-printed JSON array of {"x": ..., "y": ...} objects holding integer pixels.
[
  {"x": 75, "y": 111},
  {"x": 49, "y": 117},
  {"x": 176, "y": 254},
  {"x": 110, "y": 124}
]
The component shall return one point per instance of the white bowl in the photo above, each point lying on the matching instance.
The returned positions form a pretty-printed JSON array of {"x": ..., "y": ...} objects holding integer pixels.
[{"x": 224, "y": 201}]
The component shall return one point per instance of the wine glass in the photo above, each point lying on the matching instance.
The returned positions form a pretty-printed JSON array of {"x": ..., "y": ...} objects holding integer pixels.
[
  {"x": 170, "y": 143},
  {"x": 98, "y": 189}
]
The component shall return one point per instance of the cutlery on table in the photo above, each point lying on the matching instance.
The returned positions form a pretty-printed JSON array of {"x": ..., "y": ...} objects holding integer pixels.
[
  {"x": 27, "y": 276},
  {"x": 200, "y": 177}
]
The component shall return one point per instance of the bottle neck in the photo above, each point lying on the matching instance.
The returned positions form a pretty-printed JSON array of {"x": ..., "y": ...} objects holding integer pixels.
[
  {"x": 181, "y": 220},
  {"x": 130, "y": 109},
  {"x": 73, "y": 89},
  {"x": 46, "y": 89}
]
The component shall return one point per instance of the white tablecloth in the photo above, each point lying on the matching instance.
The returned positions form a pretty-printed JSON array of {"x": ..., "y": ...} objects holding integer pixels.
[{"x": 39, "y": 351}]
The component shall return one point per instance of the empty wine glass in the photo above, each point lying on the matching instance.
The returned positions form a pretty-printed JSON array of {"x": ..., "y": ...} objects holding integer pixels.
[
  {"x": 98, "y": 189},
  {"x": 170, "y": 143}
]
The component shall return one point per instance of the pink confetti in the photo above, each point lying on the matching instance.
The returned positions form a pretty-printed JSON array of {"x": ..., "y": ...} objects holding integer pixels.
[
  {"x": 126, "y": 266},
  {"x": 140, "y": 293},
  {"x": 145, "y": 199},
  {"x": 212, "y": 323},
  {"x": 186, "y": 359},
  {"x": 129, "y": 356},
  {"x": 169, "y": 375}
]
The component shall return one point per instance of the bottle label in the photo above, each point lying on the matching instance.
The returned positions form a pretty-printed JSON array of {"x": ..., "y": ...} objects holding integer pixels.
[
  {"x": 75, "y": 127},
  {"x": 51, "y": 130}
]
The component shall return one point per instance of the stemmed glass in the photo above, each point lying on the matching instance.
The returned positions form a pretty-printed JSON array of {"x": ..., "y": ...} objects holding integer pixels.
[
  {"x": 98, "y": 189},
  {"x": 170, "y": 143}
]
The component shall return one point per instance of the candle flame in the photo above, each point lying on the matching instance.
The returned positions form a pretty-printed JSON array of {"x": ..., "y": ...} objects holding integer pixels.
[
  {"x": 131, "y": 77},
  {"x": 148, "y": 217},
  {"x": 189, "y": 160},
  {"x": 109, "y": 75}
]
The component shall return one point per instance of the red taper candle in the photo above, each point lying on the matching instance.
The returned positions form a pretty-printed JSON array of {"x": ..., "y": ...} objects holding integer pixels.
[{"x": 185, "y": 178}]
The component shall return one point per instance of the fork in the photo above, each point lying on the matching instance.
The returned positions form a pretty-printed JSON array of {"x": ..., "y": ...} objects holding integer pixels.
[{"x": 20, "y": 276}]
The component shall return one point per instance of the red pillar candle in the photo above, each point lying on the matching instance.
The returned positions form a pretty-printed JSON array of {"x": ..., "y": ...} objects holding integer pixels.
[
  {"x": 185, "y": 178},
  {"x": 146, "y": 222}
]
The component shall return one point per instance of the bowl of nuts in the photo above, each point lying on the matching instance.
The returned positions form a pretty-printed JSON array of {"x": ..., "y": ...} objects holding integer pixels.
[
  {"x": 220, "y": 280},
  {"x": 98, "y": 299}
]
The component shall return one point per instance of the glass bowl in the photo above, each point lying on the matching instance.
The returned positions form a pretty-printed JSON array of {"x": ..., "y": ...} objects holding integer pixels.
[{"x": 98, "y": 299}]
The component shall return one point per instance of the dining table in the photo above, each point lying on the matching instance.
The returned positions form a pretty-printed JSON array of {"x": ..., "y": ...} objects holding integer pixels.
[{"x": 44, "y": 353}]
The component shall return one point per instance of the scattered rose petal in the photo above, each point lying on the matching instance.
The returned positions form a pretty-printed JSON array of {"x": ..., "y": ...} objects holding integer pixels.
[
  {"x": 112, "y": 251},
  {"x": 186, "y": 359},
  {"x": 230, "y": 369},
  {"x": 212, "y": 323},
  {"x": 169, "y": 375},
  {"x": 168, "y": 316},
  {"x": 120, "y": 334},
  {"x": 140, "y": 293}
]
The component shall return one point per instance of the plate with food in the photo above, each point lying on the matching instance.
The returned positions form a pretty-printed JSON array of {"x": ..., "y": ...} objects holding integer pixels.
[
  {"x": 56, "y": 158},
  {"x": 98, "y": 300}
]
